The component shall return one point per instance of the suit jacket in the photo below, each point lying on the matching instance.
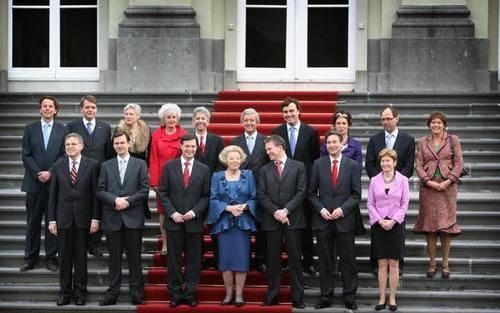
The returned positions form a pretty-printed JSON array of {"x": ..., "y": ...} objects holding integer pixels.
[
  {"x": 97, "y": 146},
  {"x": 345, "y": 195},
  {"x": 176, "y": 198},
  {"x": 213, "y": 146},
  {"x": 135, "y": 186},
  {"x": 448, "y": 158},
  {"x": 307, "y": 146},
  {"x": 394, "y": 204},
  {"x": 288, "y": 191},
  {"x": 404, "y": 146},
  {"x": 258, "y": 158},
  {"x": 35, "y": 157},
  {"x": 74, "y": 203},
  {"x": 220, "y": 197}
]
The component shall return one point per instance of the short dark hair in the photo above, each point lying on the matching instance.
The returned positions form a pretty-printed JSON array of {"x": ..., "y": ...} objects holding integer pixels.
[
  {"x": 187, "y": 137},
  {"x": 89, "y": 98},
  {"x": 276, "y": 140},
  {"x": 333, "y": 132},
  {"x": 437, "y": 114},
  {"x": 342, "y": 113},
  {"x": 392, "y": 109},
  {"x": 120, "y": 133},
  {"x": 56, "y": 104},
  {"x": 289, "y": 100}
]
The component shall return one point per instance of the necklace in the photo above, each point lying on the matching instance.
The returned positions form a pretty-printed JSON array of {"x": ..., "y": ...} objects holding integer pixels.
[
  {"x": 390, "y": 180},
  {"x": 232, "y": 176}
]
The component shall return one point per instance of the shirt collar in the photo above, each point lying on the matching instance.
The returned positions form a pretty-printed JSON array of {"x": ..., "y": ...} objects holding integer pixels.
[
  {"x": 78, "y": 160},
  {"x": 183, "y": 161},
  {"x": 339, "y": 159},
  {"x": 283, "y": 160},
  {"x": 51, "y": 123},
  {"x": 85, "y": 122},
  {"x": 296, "y": 126},
  {"x": 253, "y": 135},
  {"x": 127, "y": 158},
  {"x": 393, "y": 134}
]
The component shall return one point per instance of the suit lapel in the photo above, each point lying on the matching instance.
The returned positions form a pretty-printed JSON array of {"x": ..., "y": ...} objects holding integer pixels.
[
  {"x": 116, "y": 171},
  {"x": 65, "y": 170},
  {"x": 179, "y": 172},
  {"x": 127, "y": 172},
  {"x": 81, "y": 169}
]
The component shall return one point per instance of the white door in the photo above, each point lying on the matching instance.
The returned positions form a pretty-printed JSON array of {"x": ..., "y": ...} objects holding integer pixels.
[
  {"x": 296, "y": 40},
  {"x": 53, "y": 40}
]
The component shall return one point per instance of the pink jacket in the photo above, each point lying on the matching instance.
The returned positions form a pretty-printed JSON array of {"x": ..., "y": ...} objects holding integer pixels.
[{"x": 393, "y": 205}]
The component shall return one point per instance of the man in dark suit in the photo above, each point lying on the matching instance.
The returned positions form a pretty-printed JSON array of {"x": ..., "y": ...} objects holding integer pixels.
[
  {"x": 43, "y": 144},
  {"x": 123, "y": 188},
  {"x": 252, "y": 143},
  {"x": 96, "y": 136},
  {"x": 302, "y": 144},
  {"x": 334, "y": 192},
  {"x": 281, "y": 192},
  {"x": 184, "y": 192},
  {"x": 404, "y": 145},
  {"x": 73, "y": 214},
  {"x": 209, "y": 144}
]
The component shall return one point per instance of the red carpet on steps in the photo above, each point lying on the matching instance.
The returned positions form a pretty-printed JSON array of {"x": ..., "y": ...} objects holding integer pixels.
[{"x": 317, "y": 110}]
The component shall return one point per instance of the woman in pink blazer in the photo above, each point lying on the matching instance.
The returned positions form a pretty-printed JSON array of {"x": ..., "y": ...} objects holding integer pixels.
[{"x": 388, "y": 198}]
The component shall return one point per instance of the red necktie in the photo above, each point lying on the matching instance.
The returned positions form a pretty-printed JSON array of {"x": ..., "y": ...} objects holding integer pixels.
[
  {"x": 279, "y": 168},
  {"x": 334, "y": 173},
  {"x": 73, "y": 173},
  {"x": 202, "y": 145},
  {"x": 186, "y": 174}
]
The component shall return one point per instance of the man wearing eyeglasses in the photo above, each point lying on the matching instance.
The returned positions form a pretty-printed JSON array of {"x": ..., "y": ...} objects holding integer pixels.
[{"x": 391, "y": 138}]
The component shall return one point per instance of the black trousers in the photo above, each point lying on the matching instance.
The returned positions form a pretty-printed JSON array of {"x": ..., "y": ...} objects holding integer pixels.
[
  {"x": 307, "y": 238},
  {"x": 130, "y": 240},
  {"x": 36, "y": 208},
  {"x": 72, "y": 244},
  {"x": 293, "y": 240}
]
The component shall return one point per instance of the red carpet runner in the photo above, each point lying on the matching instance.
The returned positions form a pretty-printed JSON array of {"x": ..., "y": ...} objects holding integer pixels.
[{"x": 317, "y": 109}]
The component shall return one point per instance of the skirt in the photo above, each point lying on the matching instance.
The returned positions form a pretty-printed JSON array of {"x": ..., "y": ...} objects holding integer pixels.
[
  {"x": 234, "y": 250},
  {"x": 388, "y": 244}
]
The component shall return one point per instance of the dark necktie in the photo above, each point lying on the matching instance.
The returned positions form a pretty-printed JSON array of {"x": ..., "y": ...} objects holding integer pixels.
[
  {"x": 73, "y": 173},
  {"x": 186, "y": 174},
  {"x": 279, "y": 167},
  {"x": 202, "y": 145}
]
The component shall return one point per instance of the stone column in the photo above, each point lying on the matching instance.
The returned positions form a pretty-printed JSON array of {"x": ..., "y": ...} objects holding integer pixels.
[{"x": 158, "y": 49}]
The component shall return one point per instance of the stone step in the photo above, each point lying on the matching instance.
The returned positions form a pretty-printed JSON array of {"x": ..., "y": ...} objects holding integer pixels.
[{"x": 50, "y": 306}]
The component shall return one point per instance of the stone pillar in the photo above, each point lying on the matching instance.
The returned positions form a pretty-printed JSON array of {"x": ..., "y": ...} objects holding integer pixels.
[
  {"x": 158, "y": 49},
  {"x": 433, "y": 49}
]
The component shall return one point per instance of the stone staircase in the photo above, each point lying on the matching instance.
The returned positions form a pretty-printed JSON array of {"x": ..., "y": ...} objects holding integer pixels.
[{"x": 474, "y": 285}]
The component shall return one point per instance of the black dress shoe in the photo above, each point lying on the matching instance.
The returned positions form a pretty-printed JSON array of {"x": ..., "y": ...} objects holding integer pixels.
[
  {"x": 262, "y": 268},
  {"x": 191, "y": 302},
  {"x": 225, "y": 303},
  {"x": 137, "y": 301},
  {"x": 393, "y": 307},
  {"x": 239, "y": 304},
  {"x": 268, "y": 302},
  {"x": 107, "y": 301},
  {"x": 380, "y": 307},
  {"x": 63, "y": 300},
  {"x": 351, "y": 306},
  {"x": 175, "y": 303},
  {"x": 51, "y": 265},
  {"x": 309, "y": 270},
  {"x": 97, "y": 252},
  {"x": 298, "y": 304},
  {"x": 80, "y": 301},
  {"x": 28, "y": 265}
]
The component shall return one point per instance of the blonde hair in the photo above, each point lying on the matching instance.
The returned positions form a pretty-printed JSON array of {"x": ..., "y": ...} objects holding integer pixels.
[{"x": 232, "y": 148}]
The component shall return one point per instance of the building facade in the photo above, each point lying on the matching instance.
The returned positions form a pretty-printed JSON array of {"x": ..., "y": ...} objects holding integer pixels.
[{"x": 211, "y": 45}]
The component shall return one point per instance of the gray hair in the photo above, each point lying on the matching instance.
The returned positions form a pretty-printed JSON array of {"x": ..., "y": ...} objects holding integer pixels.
[
  {"x": 169, "y": 108},
  {"x": 133, "y": 106},
  {"x": 249, "y": 111},
  {"x": 203, "y": 110},
  {"x": 232, "y": 148},
  {"x": 74, "y": 135}
]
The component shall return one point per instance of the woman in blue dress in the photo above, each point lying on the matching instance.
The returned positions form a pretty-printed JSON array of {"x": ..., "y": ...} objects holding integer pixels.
[{"x": 232, "y": 214}]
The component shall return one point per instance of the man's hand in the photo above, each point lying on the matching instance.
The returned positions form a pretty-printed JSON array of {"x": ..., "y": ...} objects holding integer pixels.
[
  {"x": 281, "y": 215},
  {"x": 177, "y": 217},
  {"x": 94, "y": 227},
  {"x": 188, "y": 216},
  {"x": 121, "y": 203},
  {"x": 44, "y": 176},
  {"x": 53, "y": 228},
  {"x": 336, "y": 214},
  {"x": 325, "y": 214}
]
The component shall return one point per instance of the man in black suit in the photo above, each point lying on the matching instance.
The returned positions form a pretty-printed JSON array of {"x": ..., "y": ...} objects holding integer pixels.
[
  {"x": 404, "y": 145},
  {"x": 43, "y": 144},
  {"x": 302, "y": 144},
  {"x": 252, "y": 143},
  {"x": 281, "y": 191},
  {"x": 73, "y": 214},
  {"x": 209, "y": 145},
  {"x": 123, "y": 188},
  {"x": 96, "y": 136},
  {"x": 184, "y": 192},
  {"x": 334, "y": 192}
]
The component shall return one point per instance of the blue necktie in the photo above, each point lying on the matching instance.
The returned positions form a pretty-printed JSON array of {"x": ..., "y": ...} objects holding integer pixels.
[
  {"x": 46, "y": 134},
  {"x": 89, "y": 128},
  {"x": 293, "y": 140},
  {"x": 250, "y": 144}
]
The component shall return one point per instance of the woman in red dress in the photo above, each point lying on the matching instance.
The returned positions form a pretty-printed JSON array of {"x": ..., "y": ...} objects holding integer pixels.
[{"x": 165, "y": 146}]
